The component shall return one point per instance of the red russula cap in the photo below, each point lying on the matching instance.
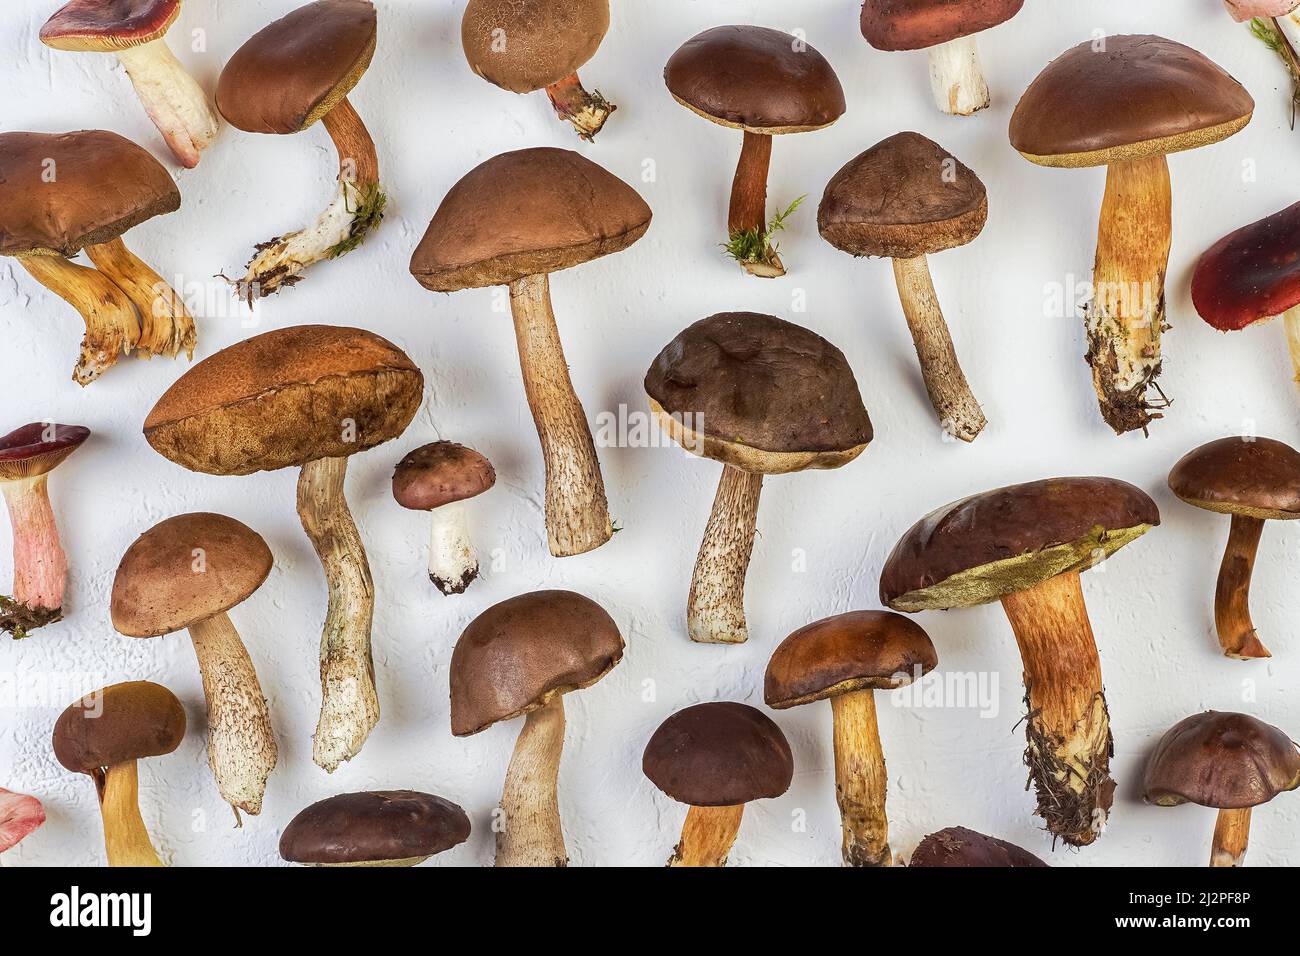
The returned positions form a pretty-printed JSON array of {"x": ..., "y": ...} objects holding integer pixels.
[
  {"x": 439, "y": 473},
  {"x": 103, "y": 26},
  {"x": 38, "y": 449},
  {"x": 920, "y": 24},
  {"x": 1250, "y": 274}
]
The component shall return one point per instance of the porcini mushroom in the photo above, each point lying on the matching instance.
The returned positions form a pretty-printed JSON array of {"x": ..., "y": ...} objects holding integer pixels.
[
  {"x": 103, "y": 735},
  {"x": 1125, "y": 102},
  {"x": 716, "y": 757},
  {"x": 518, "y": 659},
  {"x": 187, "y": 572},
  {"x": 376, "y": 828},
  {"x": 765, "y": 83},
  {"x": 958, "y": 847},
  {"x": 763, "y": 397},
  {"x": 512, "y": 221},
  {"x": 307, "y": 396},
  {"x": 845, "y": 659},
  {"x": 1025, "y": 545},
  {"x": 20, "y": 816},
  {"x": 285, "y": 78},
  {"x": 906, "y": 198}
]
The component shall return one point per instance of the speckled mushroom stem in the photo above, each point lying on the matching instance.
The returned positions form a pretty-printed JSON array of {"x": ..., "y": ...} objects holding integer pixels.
[
  {"x": 1232, "y": 621},
  {"x": 530, "y": 833},
  {"x": 956, "y": 77},
  {"x": 715, "y": 612},
  {"x": 1231, "y": 838},
  {"x": 707, "y": 836},
  {"x": 166, "y": 324},
  {"x": 586, "y": 111},
  {"x": 748, "y": 209},
  {"x": 861, "y": 783},
  {"x": 172, "y": 98},
  {"x": 40, "y": 564},
  {"x": 453, "y": 566},
  {"x": 125, "y": 838},
  {"x": 1291, "y": 319}
]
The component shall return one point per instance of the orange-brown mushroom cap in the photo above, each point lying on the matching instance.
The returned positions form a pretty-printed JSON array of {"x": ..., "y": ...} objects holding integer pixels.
[
  {"x": 37, "y": 449},
  {"x": 104, "y": 26},
  {"x": 1254, "y": 477},
  {"x": 544, "y": 40},
  {"x": 1225, "y": 760},
  {"x": 439, "y": 473},
  {"x": 119, "y": 723},
  {"x": 920, "y": 24}
]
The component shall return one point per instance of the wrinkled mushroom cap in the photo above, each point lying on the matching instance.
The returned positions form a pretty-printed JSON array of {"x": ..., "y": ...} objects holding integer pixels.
[
  {"x": 103, "y": 26},
  {"x": 920, "y": 24},
  {"x": 987, "y": 546},
  {"x": 374, "y": 827},
  {"x": 525, "y": 45},
  {"x": 285, "y": 398},
  {"x": 1250, "y": 274},
  {"x": 960, "y": 847},
  {"x": 117, "y": 724},
  {"x": 439, "y": 473},
  {"x": 38, "y": 448},
  {"x": 1224, "y": 760},
  {"x": 1257, "y": 477}
]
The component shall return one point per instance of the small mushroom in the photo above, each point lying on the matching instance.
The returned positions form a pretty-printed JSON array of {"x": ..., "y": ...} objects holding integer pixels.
[
  {"x": 437, "y": 478},
  {"x": 518, "y": 659},
  {"x": 20, "y": 816},
  {"x": 376, "y": 828},
  {"x": 716, "y": 757},
  {"x": 962, "y": 848},
  {"x": 103, "y": 735},
  {"x": 763, "y": 397},
  {"x": 1231, "y": 762},
  {"x": 845, "y": 659},
  {"x": 766, "y": 83},
  {"x": 187, "y": 572},
  {"x": 907, "y": 198}
]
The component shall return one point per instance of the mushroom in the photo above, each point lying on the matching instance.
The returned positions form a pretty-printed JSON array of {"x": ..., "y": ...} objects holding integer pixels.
[
  {"x": 1025, "y": 545},
  {"x": 437, "y": 478},
  {"x": 376, "y": 828},
  {"x": 20, "y": 816},
  {"x": 716, "y": 757},
  {"x": 763, "y": 397},
  {"x": 958, "y": 847},
  {"x": 845, "y": 659},
  {"x": 307, "y": 396},
  {"x": 103, "y": 735},
  {"x": 64, "y": 192},
  {"x": 1231, "y": 762},
  {"x": 518, "y": 659},
  {"x": 514, "y": 220},
  {"x": 1125, "y": 102},
  {"x": 187, "y": 572},
  {"x": 906, "y": 198},
  {"x": 1252, "y": 480},
  {"x": 764, "y": 82},
  {"x": 27, "y": 456},
  {"x": 528, "y": 45},
  {"x": 285, "y": 78},
  {"x": 946, "y": 29},
  {"x": 135, "y": 30},
  {"x": 1243, "y": 10}
]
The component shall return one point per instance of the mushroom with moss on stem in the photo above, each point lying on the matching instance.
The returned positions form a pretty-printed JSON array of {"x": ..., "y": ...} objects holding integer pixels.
[
  {"x": 374, "y": 828},
  {"x": 960, "y": 848},
  {"x": 20, "y": 817}
]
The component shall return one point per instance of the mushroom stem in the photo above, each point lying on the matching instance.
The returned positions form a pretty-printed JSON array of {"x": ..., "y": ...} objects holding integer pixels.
[
  {"x": 349, "y": 702},
  {"x": 452, "y": 563},
  {"x": 530, "y": 833},
  {"x": 861, "y": 783},
  {"x": 577, "y": 513},
  {"x": 956, "y": 77},
  {"x": 1291, "y": 318},
  {"x": 40, "y": 564},
  {"x": 959, "y": 412},
  {"x": 125, "y": 838},
  {"x": 167, "y": 326},
  {"x": 586, "y": 111},
  {"x": 1232, "y": 621},
  {"x": 716, "y": 607},
  {"x": 748, "y": 209},
  {"x": 1231, "y": 838},
  {"x": 707, "y": 836},
  {"x": 172, "y": 98}
]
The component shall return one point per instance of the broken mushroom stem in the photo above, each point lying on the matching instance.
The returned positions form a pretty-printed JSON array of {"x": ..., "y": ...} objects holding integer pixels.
[
  {"x": 1231, "y": 838},
  {"x": 956, "y": 77},
  {"x": 716, "y": 607},
  {"x": 1232, "y": 620},
  {"x": 530, "y": 833},
  {"x": 860, "y": 779},
  {"x": 40, "y": 563},
  {"x": 125, "y": 838},
  {"x": 707, "y": 836},
  {"x": 172, "y": 98},
  {"x": 586, "y": 111},
  {"x": 747, "y": 212},
  {"x": 166, "y": 324},
  {"x": 452, "y": 563}
]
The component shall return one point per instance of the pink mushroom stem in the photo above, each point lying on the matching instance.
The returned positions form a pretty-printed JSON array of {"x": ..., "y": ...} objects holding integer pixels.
[
  {"x": 40, "y": 564},
  {"x": 20, "y": 815}
]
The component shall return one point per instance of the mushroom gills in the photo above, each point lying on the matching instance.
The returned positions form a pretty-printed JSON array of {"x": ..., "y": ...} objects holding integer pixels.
[
  {"x": 956, "y": 77},
  {"x": 172, "y": 98}
]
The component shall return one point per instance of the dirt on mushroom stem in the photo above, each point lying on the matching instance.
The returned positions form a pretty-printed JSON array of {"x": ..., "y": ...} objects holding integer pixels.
[
  {"x": 588, "y": 112},
  {"x": 40, "y": 563}
]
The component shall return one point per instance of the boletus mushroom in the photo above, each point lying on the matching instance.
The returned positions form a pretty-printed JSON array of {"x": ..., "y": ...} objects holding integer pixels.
[
  {"x": 958, "y": 847},
  {"x": 20, "y": 817},
  {"x": 306, "y": 397},
  {"x": 1025, "y": 545},
  {"x": 763, "y": 397},
  {"x": 375, "y": 828},
  {"x": 1125, "y": 102}
]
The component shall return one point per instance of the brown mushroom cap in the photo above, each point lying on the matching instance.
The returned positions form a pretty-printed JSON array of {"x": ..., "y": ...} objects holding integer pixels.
[
  {"x": 1256, "y": 477},
  {"x": 757, "y": 79},
  {"x": 104, "y": 26},
  {"x": 984, "y": 547},
  {"x": 117, "y": 724},
  {"x": 1250, "y": 274},
  {"x": 374, "y": 827},
  {"x": 439, "y": 473},
  {"x": 719, "y": 755},
  {"x": 38, "y": 448},
  {"x": 546, "y": 40},
  {"x": 960, "y": 847},
  {"x": 1224, "y": 760},
  {"x": 521, "y": 654},
  {"x": 291, "y": 73},
  {"x": 1139, "y": 96},
  {"x": 285, "y": 398},
  {"x": 920, "y": 24}
]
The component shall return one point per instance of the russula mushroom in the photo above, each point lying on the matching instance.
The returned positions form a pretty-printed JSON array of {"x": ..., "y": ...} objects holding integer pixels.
[
  {"x": 518, "y": 659},
  {"x": 103, "y": 735},
  {"x": 307, "y": 397},
  {"x": 61, "y": 193},
  {"x": 1243, "y": 10},
  {"x": 906, "y": 198},
  {"x": 1125, "y": 102},
  {"x": 845, "y": 659},
  {"x": 1253, "y": 480},
  {"x": 186, "y": 573},
  {"x": 512, "y": 221},
  {"x": 20, "y": 816},
  {"x": 1025, "y": 545},
  {"x": 135, "y": 30},
  {"x": 763, "y": 397},
  {"x": 27, "y": 456},
  {"x": 766, "y": 83},
  {"x": 438, "y": 478},
  {"x": 716, "y": 757},
  {"x": 1231, "y": 762},
  {"x": 958, "y": 847},
  {"x": 375, "y": 828},
  {"x": 529, "y": 45},
  {"x": 285, "y": 78}
]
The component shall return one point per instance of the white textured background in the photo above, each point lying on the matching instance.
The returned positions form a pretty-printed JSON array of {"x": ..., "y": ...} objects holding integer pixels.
[{"x": 433, "y": 120}]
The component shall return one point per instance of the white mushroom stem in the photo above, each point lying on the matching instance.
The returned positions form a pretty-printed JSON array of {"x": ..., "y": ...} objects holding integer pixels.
[
  {"x": 1231, "y": 838},
  {"x": 40, "y": 563},
  {"x": 1291, "y": 317},
  {"x": 707, "y": 836},
  {"x": 957, "y": 78},
  {"x": 715, "y": 611},
  {"x": 172, "y": 98},
  {"x": 452, "y": 562},
  {"x": 861, "y": 783},
  {"x": 125, "y": 838},
  {"x": 166, "y": 324},
  {"x": 530, "y": 833}
]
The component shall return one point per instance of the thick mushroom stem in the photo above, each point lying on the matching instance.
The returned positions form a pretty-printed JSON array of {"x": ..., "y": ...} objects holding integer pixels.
[
  {"x": 586, "y": 111},
  {"x": 707, "y": 836},
  {"x": 166, "y": 324},
  {"x": 172, "y": 98},
  {"x": 453, "y": 566},
  {"x": 125, "y": 838},
  {"x": 861, "y": 783},
  {"x": 715, "y": 612},
  {"x": 1231, "y": 838},
  {"x": 40, "y": 564},
  {"x": 956, "y": 77},
  {"x": 748, "y": 208},
  {"x": 1291, "y": 318},
  {"x": 577, "y": 513},
  {"x": 530, "y": 833},
  {"x": 1232, "y": 621}
]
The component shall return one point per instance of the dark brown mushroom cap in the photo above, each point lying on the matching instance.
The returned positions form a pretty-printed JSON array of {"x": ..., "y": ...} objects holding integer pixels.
[
  {"x": 754, "y": 78},
  {"x": 291, "y": 73},
  {"x": 1139, "y": 96},
  {"x": 920, "y": 24},
  {"x": 1007, "y": 540},
  {"x": 38, "y": 448},
  {"x": 104, "y": 185},
  {"x": 902, "y": 198},
  {"x": 1255, "y": 477},
  {"x": 1224, "y": 760},
  {"x": 960, "y": 847},
  {"x": 1250, "y": 274},
  {"x": 527, "y": 212},
  {"x": 521, "y": 654},
  {"x": 108, "y": 25},
  {"x": 545, "y": 40},
  {"x": 439, "y": 473},
  {"x": 719, "y": 755},
  {"x": 119, "y": 723},
  {"x": 285, "y": 398},
  {"x": 374, "y": 827}
]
